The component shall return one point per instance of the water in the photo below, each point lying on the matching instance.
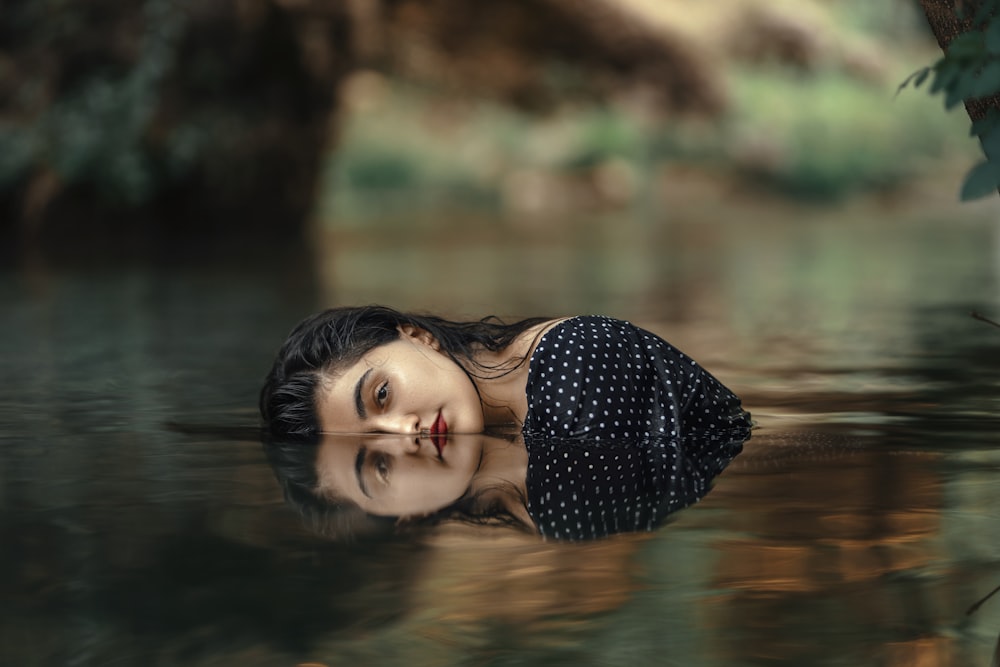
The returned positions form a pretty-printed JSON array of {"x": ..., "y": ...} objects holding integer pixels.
[{"x": 140, "y": 524}]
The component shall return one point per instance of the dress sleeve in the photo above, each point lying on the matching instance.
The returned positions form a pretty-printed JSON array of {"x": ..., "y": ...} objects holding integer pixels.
[{"x": 605, "y": 378}]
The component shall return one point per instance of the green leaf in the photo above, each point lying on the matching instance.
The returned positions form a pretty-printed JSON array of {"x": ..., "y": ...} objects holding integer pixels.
[
  {"x": 982, "y": 180},
  {"x": 982, "y": 17},
  {"x": 945, "y": 71},
  {"x": 986, "y": 82},
  {"x": 993, "y": 37},
  {"x": 990, "y": 140},
  {"x": 916, "y": 78},
  {"x": 985, "y": 124},
  {"x": 967, "y": 45},
  {"x": 958, "y": 89}
]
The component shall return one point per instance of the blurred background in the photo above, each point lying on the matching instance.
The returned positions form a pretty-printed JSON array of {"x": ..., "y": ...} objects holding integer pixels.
[
  {"x": 180, "y": 182},
  {"x": 260, "y": 115}
]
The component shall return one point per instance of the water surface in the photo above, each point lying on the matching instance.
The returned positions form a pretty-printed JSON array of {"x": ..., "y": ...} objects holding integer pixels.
[{"x": 140, "y": 523}]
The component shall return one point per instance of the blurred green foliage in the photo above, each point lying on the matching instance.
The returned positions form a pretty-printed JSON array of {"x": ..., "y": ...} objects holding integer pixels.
[
  {"x": 97, "y": 131},
  {"x": 821, "y": 132},
  {"x": 821, "y": 137},
  {"x": 105, "y": 121},
  {"x": 970, "y": 70},
  {"x": 830, "y": 136}
]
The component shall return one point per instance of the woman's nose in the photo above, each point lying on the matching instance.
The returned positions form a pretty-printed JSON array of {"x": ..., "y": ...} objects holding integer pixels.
[
  {"x": 400, "y": 445},
  {"x": 402, "y": 423}
]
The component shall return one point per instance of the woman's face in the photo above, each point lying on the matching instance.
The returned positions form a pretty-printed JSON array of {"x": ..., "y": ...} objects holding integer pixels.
[
  {"x": 397, "y": 475},
  {"x": 407, "y": 386}
]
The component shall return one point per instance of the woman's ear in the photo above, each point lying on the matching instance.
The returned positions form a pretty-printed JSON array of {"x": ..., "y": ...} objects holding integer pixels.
[{"x": 419, "y": 335}]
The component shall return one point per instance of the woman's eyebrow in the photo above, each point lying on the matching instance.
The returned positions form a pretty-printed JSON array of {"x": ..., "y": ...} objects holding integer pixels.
[
  {"x": 359, "y": 464},
  {"x": 359, "y": 403}
]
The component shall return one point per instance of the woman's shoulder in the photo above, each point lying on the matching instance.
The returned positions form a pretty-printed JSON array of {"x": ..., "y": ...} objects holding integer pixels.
[
  {"x": 583, "y": 328},
  {"x": 560, "y": 327},
  {"x": 571, "y": 340}
]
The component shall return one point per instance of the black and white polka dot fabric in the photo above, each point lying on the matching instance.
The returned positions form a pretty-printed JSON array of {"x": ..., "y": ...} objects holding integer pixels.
[
  {"x": 605, "y": 378},
  {"x": 581, "y": 488},
  {"x": 622, "y": 429}
]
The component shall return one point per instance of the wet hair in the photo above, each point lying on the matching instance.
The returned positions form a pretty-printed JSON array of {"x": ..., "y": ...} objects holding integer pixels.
[{"x": 327, "y": 342}]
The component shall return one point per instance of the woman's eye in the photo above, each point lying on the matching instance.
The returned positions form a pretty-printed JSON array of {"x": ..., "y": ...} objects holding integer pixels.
[
  {"x": 382, "y": 469},
  {"x": 382, "y": 393}
]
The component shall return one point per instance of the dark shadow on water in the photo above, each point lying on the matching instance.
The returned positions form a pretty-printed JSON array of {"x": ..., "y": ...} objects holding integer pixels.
[{"x": 180, "y": 587}]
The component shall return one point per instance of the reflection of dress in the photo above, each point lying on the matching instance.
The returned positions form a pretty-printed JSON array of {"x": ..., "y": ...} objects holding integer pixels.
[{"x": 621, "y": 429}]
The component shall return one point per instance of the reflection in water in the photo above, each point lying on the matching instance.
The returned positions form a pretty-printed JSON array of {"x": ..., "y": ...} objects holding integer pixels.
[
  {"x": 583, "y": 489},
  {"x": 563, "y": 488},
  {"x": 844, "y": 528},
  {"x": 856, "y": 530}
]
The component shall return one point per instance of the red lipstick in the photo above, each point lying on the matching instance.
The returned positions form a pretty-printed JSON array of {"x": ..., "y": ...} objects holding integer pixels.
[{"x": 439, "y": 433}]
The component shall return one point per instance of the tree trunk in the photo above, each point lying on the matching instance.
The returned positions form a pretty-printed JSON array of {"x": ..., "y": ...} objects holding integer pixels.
[{"x": 942, "y": 15}]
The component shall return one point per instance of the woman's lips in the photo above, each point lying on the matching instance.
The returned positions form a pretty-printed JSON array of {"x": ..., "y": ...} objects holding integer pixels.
[{"x": 439, "y": 433}]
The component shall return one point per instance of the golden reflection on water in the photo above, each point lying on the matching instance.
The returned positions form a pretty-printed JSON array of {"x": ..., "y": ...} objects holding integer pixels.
[
  {"x": 855, "y": 545},
  {"x": 489, "y": 593},
  {"x": 861, "y": 517},
  {"x": 474, "y": 575}
]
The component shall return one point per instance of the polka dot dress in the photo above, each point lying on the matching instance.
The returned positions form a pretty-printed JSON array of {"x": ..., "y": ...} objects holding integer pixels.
[
  {"x": 621, "y": 429},
  {"x": 581, "y": 489}
]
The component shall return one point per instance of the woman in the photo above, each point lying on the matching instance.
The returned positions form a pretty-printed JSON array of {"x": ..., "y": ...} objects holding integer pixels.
[{"x": 374, "y": 370}]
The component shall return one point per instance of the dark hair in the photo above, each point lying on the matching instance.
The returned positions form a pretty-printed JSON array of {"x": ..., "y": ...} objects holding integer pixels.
[{"x": 335, "y": 338}]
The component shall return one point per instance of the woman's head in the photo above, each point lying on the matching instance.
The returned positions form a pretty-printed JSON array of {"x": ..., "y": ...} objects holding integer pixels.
[
  {"x": 406, "y": 386},
  {"x": 349, "y": 484},
  {"x": 322, "y": 347},
  {"x": 320, "y": 344},
  {"x": 375, "y": 369}
]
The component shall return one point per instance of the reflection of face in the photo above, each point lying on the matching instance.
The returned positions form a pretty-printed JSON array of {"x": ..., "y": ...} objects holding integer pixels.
[
  {"x": 406, "y": 386},
  {"x": 394, "y": 475}
]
